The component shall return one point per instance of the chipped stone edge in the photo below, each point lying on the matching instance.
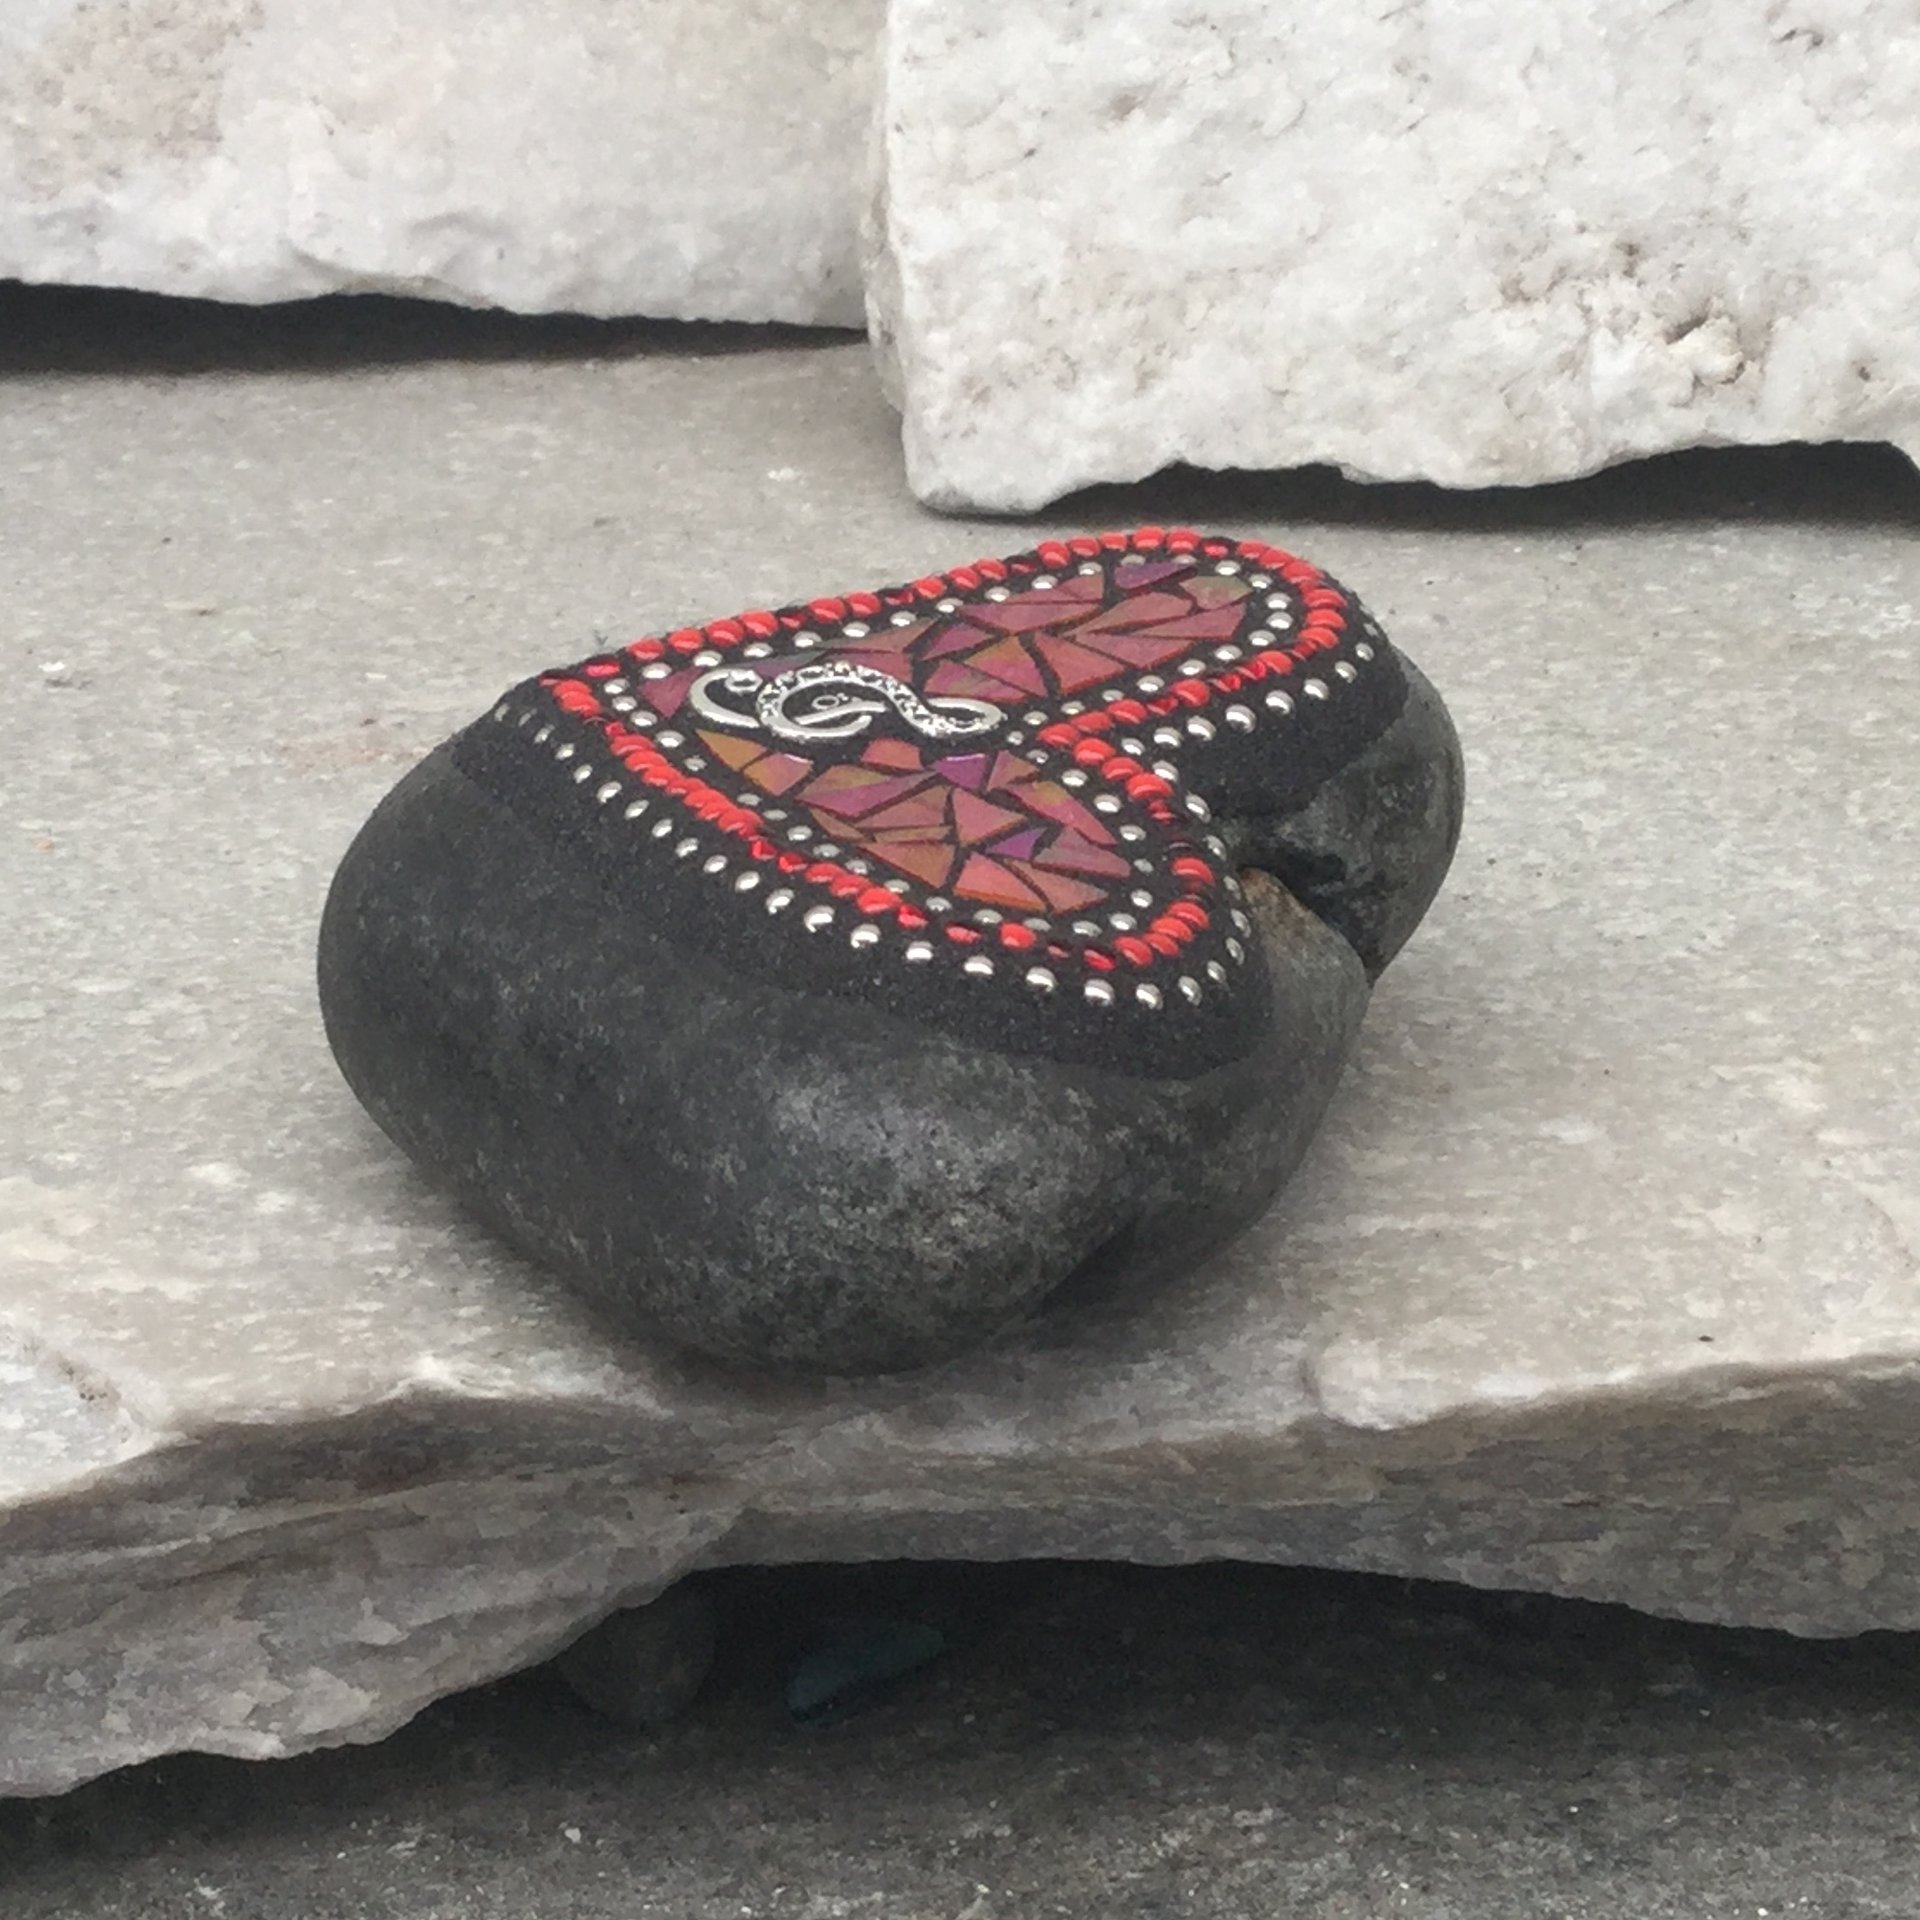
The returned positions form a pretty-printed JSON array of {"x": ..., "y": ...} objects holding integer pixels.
[{"x": 264, "y": 1591}]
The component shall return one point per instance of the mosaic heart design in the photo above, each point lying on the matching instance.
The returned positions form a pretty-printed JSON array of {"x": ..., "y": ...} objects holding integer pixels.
[
  {"x": 1001, "y": 773},
  {"x": 825, "y": 987}
]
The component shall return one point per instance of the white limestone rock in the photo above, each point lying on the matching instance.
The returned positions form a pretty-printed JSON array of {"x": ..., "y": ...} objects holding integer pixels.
[
  {"x": 1466, "y": 241},
  {"x": 692, "y": 159}
]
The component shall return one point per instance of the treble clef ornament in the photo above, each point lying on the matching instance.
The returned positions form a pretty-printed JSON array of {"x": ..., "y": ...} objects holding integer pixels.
[{"x": 834, "y": 700}]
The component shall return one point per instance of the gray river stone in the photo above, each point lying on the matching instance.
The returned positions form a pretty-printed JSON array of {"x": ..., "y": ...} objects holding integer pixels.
[{"x": 685, "y": 1047}]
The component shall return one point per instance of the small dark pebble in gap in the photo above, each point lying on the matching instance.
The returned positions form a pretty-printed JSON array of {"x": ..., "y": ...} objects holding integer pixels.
[
  {"x": 645, "y": 1666},
  {"x": 856, "y": 1664}
]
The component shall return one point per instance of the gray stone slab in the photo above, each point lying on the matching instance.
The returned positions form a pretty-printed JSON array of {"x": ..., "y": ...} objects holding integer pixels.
[{"x": 1601, "y": 1279}]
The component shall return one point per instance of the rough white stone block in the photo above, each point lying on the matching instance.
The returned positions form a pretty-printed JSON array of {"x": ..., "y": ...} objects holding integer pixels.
[
  {"x": 695, "y": 159},
  {"x": 1468, "y": 241}
]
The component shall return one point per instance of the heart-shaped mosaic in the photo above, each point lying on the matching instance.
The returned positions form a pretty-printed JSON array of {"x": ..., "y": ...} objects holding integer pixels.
[{"x": 998, "y": 778}]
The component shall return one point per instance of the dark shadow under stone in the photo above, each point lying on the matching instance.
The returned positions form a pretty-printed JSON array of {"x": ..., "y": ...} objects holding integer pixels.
[{"x": 1098, "y": 1743}]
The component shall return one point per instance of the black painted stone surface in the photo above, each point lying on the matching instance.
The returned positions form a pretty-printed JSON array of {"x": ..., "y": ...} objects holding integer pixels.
[{"x": 810, "y": 990}]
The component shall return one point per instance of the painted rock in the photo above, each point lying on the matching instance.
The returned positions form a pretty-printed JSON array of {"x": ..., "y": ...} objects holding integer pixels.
[{"x": 825, "y": 989}]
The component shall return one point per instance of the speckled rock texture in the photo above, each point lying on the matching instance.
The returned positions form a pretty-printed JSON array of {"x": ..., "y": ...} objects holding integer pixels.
[
  {"x": 1476, "y": 243},
  {"x": 694, "y": 159},
  {"x": 1599, "y": 1278},
  {"x": 828, "y": 989}
]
